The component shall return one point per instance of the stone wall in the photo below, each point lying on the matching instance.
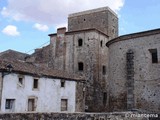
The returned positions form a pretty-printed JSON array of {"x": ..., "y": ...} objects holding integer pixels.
[
  {"x": 41, "y": 56},
  {"x": 102, "y": 19},
  {"x": 72, "y": 116},
  {"x": 93, "y": 55},
  {"x": 146, "y": 74},
  {"x": 1, "y": 87}
]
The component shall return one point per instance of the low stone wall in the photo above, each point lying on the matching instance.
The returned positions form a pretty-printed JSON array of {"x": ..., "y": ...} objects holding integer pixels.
[{"x": 78, "y": 116}]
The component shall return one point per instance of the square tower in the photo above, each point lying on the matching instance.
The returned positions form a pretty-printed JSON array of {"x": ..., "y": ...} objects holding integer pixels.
[{"x": 103, "y": 19}]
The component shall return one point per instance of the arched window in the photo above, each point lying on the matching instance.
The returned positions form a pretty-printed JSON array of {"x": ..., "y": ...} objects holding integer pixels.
[{"x": 80, "y": 42}]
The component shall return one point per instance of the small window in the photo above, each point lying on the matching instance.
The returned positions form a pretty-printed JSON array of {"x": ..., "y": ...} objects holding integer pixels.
[
  {"x": 64, "y": 103},
  {"x": 31, "y": 104},
  {"x": 104, "y": 98},
  {"x": 62, "y": 83},
  {"x": 104, "y": 70},
  {"x": 80, "y": 42},
  {"x": 154, "y": 55},
  {"x": 10, "y": 104},
  {"x": 101, "y": 43},
  {"x": 80, "y": 66},
  {"x": 20, "y": 80},
  {"x": 35, "y": 83}
]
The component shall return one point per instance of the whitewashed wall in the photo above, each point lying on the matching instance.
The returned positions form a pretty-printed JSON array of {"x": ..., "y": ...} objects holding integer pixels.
[{"x": 49, "y": 93}]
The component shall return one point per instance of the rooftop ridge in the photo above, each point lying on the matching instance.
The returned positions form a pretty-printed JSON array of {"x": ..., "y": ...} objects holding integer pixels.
[{"x": 92, "y": 11}]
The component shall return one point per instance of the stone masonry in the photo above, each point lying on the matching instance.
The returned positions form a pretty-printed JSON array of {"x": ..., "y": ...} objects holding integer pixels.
[
  {"x": 116, "y": 79},
  {"x": 67, "y": 54},
  {"x": 136, "y": 86},
  {"x": 103, "y": 19},
  {"x": 77, "y": 116}
]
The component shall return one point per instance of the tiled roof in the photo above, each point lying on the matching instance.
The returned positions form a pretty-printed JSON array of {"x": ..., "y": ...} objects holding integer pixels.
[
  {"x": 33, "y": 69},
  {"x": 12, "y": 55}
]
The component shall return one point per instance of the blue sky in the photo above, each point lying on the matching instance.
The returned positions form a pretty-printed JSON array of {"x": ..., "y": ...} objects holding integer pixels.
[{"x": 25, "y": 24}]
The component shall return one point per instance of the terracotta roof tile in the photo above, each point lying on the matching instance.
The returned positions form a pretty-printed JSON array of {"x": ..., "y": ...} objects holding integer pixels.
[{"x": 35, "y": 69}]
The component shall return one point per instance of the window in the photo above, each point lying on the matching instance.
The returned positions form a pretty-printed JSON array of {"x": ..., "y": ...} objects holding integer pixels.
[
  {"x": 80, "y": 42},
  {"x": 62, "y": 83},
  {"x": 80, "y": 66},
  {"x": 154, "y": 55},
  {"x": 64, "y": 103},
  {"x": 10, "y": 104},
  {"x": 20, "y": 80},
  {"x": 104, "y": 98},
  {"x": 35, "y": 83},
  {"x": 101, "y": 43},
  {"x": 31, "y": 104},
  {"x": 104, "y": 70}
]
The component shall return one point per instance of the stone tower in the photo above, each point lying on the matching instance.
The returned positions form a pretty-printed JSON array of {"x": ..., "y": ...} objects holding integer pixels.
[
  {"x": 82, "y": 50},
  {"x": 103, "y": 19}
]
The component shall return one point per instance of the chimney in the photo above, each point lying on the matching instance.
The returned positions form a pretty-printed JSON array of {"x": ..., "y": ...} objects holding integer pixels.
[{"x": 61, "y": 30}]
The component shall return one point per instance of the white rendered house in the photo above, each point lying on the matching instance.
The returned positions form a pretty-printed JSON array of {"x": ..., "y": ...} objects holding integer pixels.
[{"x": 28, "y": 88}]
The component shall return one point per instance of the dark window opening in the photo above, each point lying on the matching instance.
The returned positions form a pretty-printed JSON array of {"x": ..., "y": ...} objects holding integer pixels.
[
  {"x": 101, "y": 43},
  {"x": 21, "y": 81},
  {"x": 62, "y": 83},
  {"x": 80, "y": 42},
  {"x": 104, "y": 70},
  {"x": 35, "y": 83},
  {"x": 64, "y": 103},
  {"x": 31, "y": 104},
  {"x": 104, "y": 98},
  {"x": 154, "y": 55},
  {"x": 80, "y": 66},
  {"x": 9, "y": 103}
]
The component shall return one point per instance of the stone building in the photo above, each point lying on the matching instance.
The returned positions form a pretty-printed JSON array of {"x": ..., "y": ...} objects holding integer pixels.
[
  {"x": 122, "y": 73},
  {"x": 25, "y": 87},
  {"x": 134, "y": 81},
  {"x": 81, "y": 50}
]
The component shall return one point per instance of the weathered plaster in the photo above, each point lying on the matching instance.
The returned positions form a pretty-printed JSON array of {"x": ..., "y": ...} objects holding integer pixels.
[{"x": 48, "y": 94}]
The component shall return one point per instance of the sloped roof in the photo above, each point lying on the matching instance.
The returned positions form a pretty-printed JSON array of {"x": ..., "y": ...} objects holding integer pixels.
[
  {"x": 12, "y": 55},
  {"x": 23, "y": 67}
]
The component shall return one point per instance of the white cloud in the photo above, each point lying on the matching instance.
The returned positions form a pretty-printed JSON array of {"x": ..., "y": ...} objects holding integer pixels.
[
  {"x": 53, "y": 12},
  {"x": 4, "y": 11},
  {"x": 41, "y": 27},
  {"x": 10, "y": 30}
]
